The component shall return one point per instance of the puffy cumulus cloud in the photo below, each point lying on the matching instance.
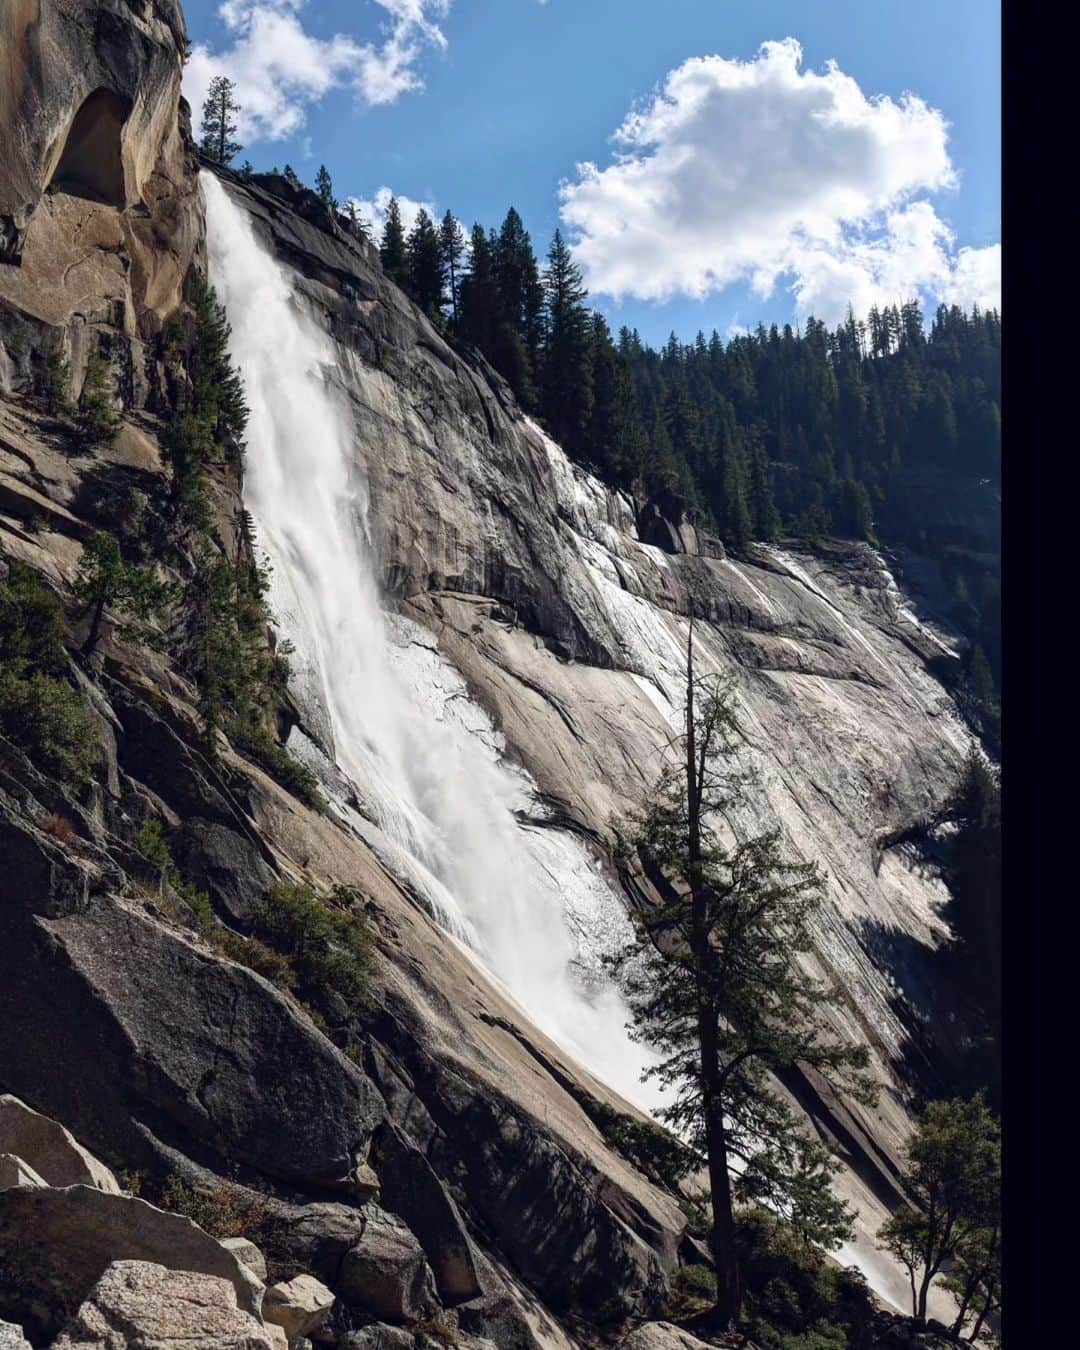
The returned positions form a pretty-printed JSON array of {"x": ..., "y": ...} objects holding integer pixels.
[
  {"x": 279, "y": 68},
  {"x": 760, "y": 172},
  {"x": 374, "y": 209}
]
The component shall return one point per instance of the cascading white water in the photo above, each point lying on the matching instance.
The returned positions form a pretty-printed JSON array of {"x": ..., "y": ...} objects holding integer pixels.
[{"x": 421, "y": 758}]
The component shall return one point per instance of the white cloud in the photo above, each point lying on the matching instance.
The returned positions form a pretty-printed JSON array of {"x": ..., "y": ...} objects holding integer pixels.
[
  {"x": 761, "y": 172},
  {"x": 279, "y": 68},
  {"x": 374, "y": 209}
]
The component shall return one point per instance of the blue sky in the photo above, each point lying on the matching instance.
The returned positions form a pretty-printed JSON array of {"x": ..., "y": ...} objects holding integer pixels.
[{"x": 754, "y": 183}]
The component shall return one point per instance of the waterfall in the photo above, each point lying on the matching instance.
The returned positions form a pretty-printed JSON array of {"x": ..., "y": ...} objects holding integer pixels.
[{"x": 421, "y": 759}]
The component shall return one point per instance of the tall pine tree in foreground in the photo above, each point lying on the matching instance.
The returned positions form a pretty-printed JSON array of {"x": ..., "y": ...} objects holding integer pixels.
[
  {"x": 715, "y": 986},
  {"x": 219, "y": 121}
]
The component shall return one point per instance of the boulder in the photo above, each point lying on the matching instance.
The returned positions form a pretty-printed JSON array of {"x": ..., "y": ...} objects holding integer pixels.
[
  {"x": 15, "y": 1172},
  {"x": 387, "y": 1274},
  {"x": 56, "y": 1244},
  {"x": 49, "y": 1148},
  {"x": 411, "y": 1188},
  {"x": 247, "y": 1254},
  {"x": 661, "y": 1336},
  {"x": 12, "y": 1338},
  {"x": 314, "y": 1237},
  {"x": 301, "y": 1307},
  {"x": 142, "y": 1306},
  {"x": 220, "y": 860},
  {"x": 139, "y": 1024}
]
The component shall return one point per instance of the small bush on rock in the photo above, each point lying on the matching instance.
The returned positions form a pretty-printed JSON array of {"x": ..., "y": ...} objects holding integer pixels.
[
  {"x": 39, "y": 709},
  {"x": 327, "y": 944}
]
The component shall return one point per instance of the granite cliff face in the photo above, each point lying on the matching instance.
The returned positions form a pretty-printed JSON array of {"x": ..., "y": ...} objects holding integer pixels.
[{"x": 435, "y": 1155}]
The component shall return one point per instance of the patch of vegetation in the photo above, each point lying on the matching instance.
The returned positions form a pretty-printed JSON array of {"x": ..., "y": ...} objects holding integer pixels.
[
  {"x": 223, "y": 1211},
  {"x": 40, "y": 710},
  {"x": 97, "y": 420},
  {"x": 794, "y": 1297},
  {"x": 659, "y": 1155},
  {"x": 152, "y": 845},
  {"x": 327, "y": 943},
  {"x": 106, "y": 580}
]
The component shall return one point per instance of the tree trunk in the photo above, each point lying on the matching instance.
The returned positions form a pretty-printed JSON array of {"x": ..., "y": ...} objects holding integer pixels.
[
  {"x": 722, "y": 1233},
  {"x": 965, "y": 1303},
  {"x": 95, "y": 629},
  {"x": 981, "y": 1318}
]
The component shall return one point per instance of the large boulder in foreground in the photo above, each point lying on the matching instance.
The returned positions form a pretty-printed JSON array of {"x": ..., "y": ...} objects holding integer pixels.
[
  {"x": 51, "y": 1150},
  {"x": 143, "y": 1306},
  {"x": 55, "y": 1245},
  {"x": 139, "y": 1024}
]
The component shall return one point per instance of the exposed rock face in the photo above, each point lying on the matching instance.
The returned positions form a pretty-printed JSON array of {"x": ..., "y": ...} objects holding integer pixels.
[
  {"x": 15, "y": 1172},
  {"x": 49, "y": 1148},
  {"x": 90, "y": 110},
  {"x": 142, "y": 1306},
  {"x": 11, "y": 1337}
]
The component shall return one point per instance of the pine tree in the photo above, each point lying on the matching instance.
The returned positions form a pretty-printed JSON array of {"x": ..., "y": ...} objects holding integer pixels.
[
  {"x": 392, "y": 246},
  {"x": 567, "y": 398},
  {"x": 714, "y": 985},
  {"x": 357, "y": 224},
  {"x": 219, "y": 121},
  {"x": 423, "y": 263},
  {"x": 518, "y": 333},
  {"x": 105, "y": 580},
  {"x": 324, "y": 189},
  {"x": 451, "y": 251},
  {"x": 479, "y": 295}
]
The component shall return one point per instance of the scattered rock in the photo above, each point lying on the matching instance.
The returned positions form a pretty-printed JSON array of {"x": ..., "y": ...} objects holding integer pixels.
[
  {"x": 247, "y": 1254},
  {"x": 142, "y": 1306},
  {"x": 15, "y": 1172},
  {"x": 56, "y": 1244},
  {"x": 301, "y": 1307},
  {"x": 50, "y": 1149},
  {"x": 12, "y": 1338},
  {"x": 387, "y": 1274}
]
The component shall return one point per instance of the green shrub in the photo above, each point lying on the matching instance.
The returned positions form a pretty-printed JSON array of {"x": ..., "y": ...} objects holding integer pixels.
[
  {"x": 223, "y": 1211},
  {"x": 278, "y": 763},
  {"x": 693, "y": 1289},
  {"x": 328, "y": 948},
  {"x": 795, "y": 1298},
  {"x": 99, "y": 423},
  {"x": 39, "y": 709},
  {"x": 651, "y": 1149},
  {"x": 151, "y": 844},
  {"x": 50, "y": 720},
  {"x": 256, "y": 956}
]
